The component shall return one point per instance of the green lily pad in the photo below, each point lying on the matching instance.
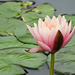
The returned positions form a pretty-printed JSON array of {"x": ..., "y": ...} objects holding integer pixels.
[
  {"x": 12, "y": 42},
  {"x": 9, "y": 69},
  {"x": 7, "y": 26},
  {"x": 44, "y": 10},
  {"x": 65, "y": 59},
  {"x": 30, "y": 16},
  {"x": 22, "y": 33},
  {"x": 19, "y": 56},
  {"x": 10, "y": 9}
]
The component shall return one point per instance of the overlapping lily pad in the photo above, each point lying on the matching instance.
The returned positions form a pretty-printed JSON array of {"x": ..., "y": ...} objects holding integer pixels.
[
  {"x": 12, "y": 42},
  {"x": 65, "y": 59},
  {"x": 44, "y": 10},
  {"x": 22, "y": 34},
  {"x": 39, "y": 12}
]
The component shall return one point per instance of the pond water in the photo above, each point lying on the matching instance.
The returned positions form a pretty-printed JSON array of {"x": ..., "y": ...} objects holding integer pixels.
[
  {"x": 43, "y": 70},
  {"x": 61, "y": 6}
]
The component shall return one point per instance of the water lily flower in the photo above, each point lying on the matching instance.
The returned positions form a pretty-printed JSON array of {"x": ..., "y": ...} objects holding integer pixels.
[{"x": 51, "y": 34}]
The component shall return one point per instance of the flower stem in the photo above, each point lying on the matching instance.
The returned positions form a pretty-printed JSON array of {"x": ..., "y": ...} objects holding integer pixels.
[{"x": 52, "y": 64}]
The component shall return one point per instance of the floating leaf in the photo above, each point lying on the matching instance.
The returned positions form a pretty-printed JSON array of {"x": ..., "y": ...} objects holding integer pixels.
[
  {"x": 9, "y": 69},
  {"x": 11, "y": 42},
  {"x": 31, "y": 16},
  {"x": 19, "y": 56},
  {"x": 39, "y": 12},
  {"x": 7, "y": 26},
  {"x": 44, "y": 10},
  {"x": 10, "y": 9},
  {"x": 21, "y": 32}
]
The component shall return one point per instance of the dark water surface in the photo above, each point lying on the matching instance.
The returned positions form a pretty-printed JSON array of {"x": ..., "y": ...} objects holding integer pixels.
[
  {"x": 43, "y": 70},
  {"x": 61, "y": 6}
]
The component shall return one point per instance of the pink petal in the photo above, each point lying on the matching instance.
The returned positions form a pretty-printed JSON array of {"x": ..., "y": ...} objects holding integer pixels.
[
  {"x": 38, "y": 37},
  {"x": 35, "y": 50},
  {"x": 54, "y": 18},
  {"x": 31, "y": 31},
  {"x": 41, "y": 23},
  {"x": 69, "y": 37},
  {"x": 63, "y": 20},
  {"x": 44, "y": 46},
  {"x": 63, "y": 30},
  {"x": 47, "y": 20},
  {"x": 35, "y": 25},
  {"x": 68, "y": 30},
  {"x": 69, "y": 26},
  {"x": 44, "y": 35},
  {"x": 52, "y": 37},
  {"x": 59, "y": 17},
  {"x": 34, "y": 33}
]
